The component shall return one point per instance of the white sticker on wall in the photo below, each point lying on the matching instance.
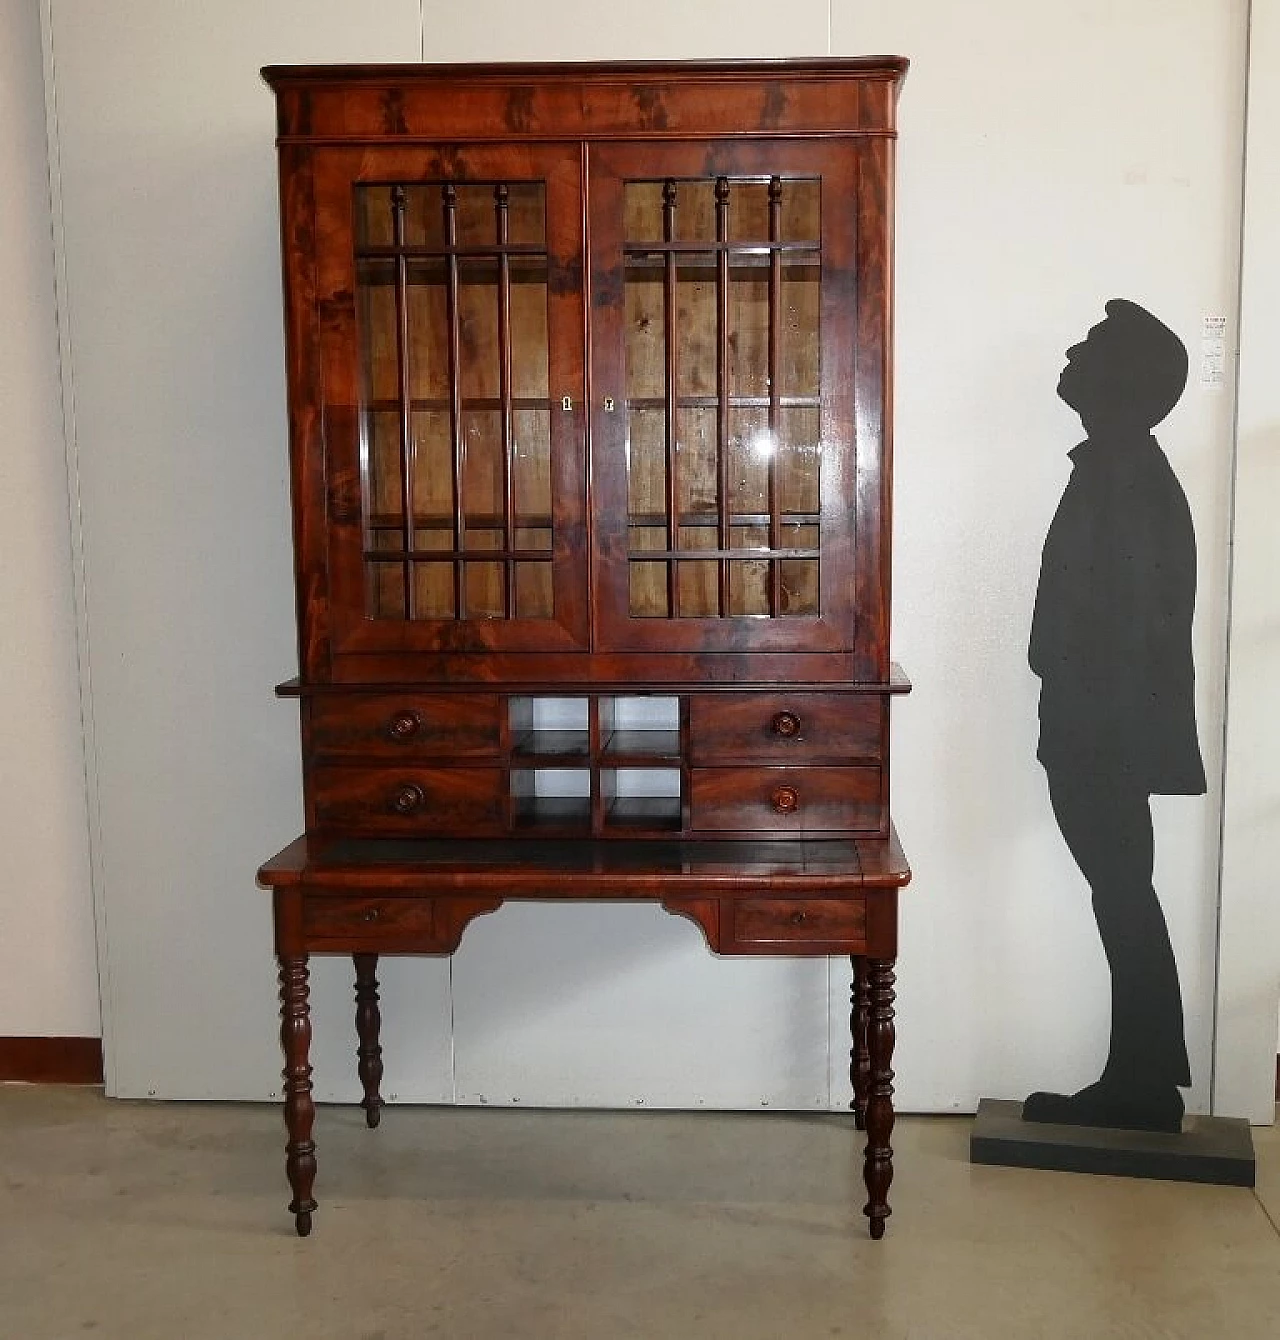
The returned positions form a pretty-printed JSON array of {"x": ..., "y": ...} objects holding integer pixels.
[{"x": 1213, "y": 353}]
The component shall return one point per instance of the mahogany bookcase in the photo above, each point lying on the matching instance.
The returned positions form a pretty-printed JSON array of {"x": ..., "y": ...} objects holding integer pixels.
[{"x": 589, "y": 385}]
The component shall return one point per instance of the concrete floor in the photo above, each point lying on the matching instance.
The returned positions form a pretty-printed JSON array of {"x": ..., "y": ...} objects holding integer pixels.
[{"x": 164, "y": 1220}]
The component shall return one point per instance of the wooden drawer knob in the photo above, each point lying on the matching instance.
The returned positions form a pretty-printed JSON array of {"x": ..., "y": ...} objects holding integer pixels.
[
  {"x": 404, "y": 725},
  {"x": 797, "y": 918},
  {"x": 408, "y": 799},
  {"x": 786, "y": 800},
  {"x": 787, "y": 725}
]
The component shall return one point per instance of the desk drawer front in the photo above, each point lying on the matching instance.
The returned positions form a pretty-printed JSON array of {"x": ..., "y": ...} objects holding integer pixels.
[
  {"x": 782, "y": 800},
  {"x": 411, "y": 802},
  {"x": 368, "y": 920},
  {"x": 779, "y": 727},
  {"x": 788, "y": 921},
  {"x": 462, "y": 725}
]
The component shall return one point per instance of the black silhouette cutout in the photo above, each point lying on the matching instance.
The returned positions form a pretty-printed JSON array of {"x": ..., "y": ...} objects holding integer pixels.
[{"x": 1111, "y": 643}]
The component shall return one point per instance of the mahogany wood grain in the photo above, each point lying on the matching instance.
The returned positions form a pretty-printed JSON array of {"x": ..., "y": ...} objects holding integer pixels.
[
  {"x": 368, "y": 1028},
  {"x": 411, "y": 800},
  {"x": 878, "y": 1167},
  {"x": 299, "y": 1109},
  {"x": 783, "y": 727},
  {"x": 473, "y": 511},
  {"x": 796, "y": 921},
  {"x": 785, "y": 800},
  {"x": 407, "y": 725}
]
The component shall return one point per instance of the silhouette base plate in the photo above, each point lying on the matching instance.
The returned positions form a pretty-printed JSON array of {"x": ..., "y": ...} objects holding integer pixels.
[{"x": 1208, "y": 1149}]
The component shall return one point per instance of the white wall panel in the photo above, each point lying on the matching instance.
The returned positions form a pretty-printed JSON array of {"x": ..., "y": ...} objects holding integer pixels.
[
  {"x": 1249, "y": 983},
  {"x": 48, "y": 981},
  {"x": 171, "y": 239},
  {"x": 1050, "y": 158}
]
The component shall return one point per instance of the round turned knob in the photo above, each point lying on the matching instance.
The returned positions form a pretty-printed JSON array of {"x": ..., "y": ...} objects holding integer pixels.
[
  {"x": 786, "y": 724},
  {"x": 408, "y": 799},
  {"x": 797, "y": 918},
  {"x": 404, "y": 725},
  {"x": 786, "y": 800},
  {"x": 371, "y": 914}
]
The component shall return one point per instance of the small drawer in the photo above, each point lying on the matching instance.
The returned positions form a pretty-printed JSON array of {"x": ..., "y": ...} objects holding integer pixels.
[
  {"x": 785, "y": 800},
  {"x": 369, "y": 920},
  {"x": 410, "y": 801},
  {"x": 784, "y": 727},
  {"x": 787, "y": 921},
  {"x": 452, "y": 725}
]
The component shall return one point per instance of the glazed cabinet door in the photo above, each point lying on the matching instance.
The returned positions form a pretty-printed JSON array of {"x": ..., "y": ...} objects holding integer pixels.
[
  {"x": 449, "y": 299},
  {"x": 724, "y": 470}
]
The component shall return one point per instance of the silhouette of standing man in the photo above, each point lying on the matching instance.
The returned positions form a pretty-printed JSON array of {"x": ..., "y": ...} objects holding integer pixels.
[{"x": 1111, "y": 643}]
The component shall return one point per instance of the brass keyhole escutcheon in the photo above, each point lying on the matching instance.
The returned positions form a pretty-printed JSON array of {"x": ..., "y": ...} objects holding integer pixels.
[
  {"x": 797, "y": 918},
  {"x": 566, "y": 403},
  {"x": 371, "y": 914},
  {"x": 786, "y": 800},
  {"x": 608, "y": 404}
]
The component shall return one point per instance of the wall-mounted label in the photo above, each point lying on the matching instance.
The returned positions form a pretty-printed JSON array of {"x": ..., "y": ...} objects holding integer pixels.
[{"x": 1213, "y": 353}]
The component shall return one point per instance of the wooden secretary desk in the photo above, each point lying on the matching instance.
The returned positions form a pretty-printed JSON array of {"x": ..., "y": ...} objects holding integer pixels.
[{"x": 589, "y": 380}]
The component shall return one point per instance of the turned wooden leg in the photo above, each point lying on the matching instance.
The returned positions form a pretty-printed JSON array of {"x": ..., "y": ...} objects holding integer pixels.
[
  {"x": 859, "y": 1056},
  {"x": 878, "y": 1165},
  {"x": 368, "y": 1026},
  {"x": 299, "y": 1110}
]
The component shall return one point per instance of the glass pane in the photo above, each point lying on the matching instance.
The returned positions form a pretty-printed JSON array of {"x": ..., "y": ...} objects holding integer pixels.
[
  {"x": 483, "y": 501},
  {"x": 646, "y": 344},
  {"x": 432, "y": 582},
  {"x": 799, "y": 364},
  {"x": 799, "y": 457},
  {"x": 696, "y": 325},
  {"x": 478, "y": 329},
  {"x": 648, "y": 581},
  {"x": 526, "y": 213},
  {"x": 647, "y": 465},
  {"x": 374, "y": 226},
  {"x": 696, "y": 211},
  {"x": 484, "y": 590},
  {"x": 648, "y": 590},
  {"x": 386, "y": 580},
  {"x": 749, "y": 211},
  {"x": 802, "y": 210},
  {"x": 642, "y": 211},
  {"x": 384, "y": 503},
  {"x": 751, "y": 448},
  {"x": 534, "y": 594},
  {"x": 696, "y": 479},
  {"x": 433, "y": 469},
  {"x": 799, "y": 578},
  {"x": 749, "y": 330},
  {"x": 377, "y": 316},
  {"x": 699, "y": 587},
  {"x": 531, "y": 473},
  {"x": 476, "y": 215},
  {"x": 428, "y": 316},
  {"x": 749, "y": 587},
  {"x": 528, "y": 291}
]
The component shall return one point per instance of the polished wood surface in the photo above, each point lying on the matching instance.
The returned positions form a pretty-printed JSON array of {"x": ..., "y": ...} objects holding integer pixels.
[{"x": 588, "y": 377}]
